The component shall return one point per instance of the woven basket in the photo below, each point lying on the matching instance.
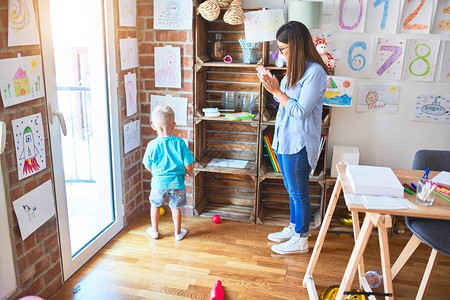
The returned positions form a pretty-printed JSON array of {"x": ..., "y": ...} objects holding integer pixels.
[
  {"x": 234, "y": 15},
  {"x": 224, "y": 3},
  {"x": 209, "y": 10}
]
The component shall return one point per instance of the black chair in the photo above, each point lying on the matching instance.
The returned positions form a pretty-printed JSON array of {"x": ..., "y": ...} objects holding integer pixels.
[{"x": 434, "y": 233}]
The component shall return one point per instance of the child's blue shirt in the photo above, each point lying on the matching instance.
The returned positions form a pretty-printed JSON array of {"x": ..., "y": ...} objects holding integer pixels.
[{"x": 167, "y": 157}]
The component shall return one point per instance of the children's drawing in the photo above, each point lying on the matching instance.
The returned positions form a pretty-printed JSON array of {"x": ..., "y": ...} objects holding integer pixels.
[
  {"x": 131, "y": 136},
  {"x": 128, "y": 53},
  {"x": 130, "y": 93},
  {"x": 421, "y": 59},
  {"x": 30, "y": 145},
  {"x": 21, "y": 79},
  {"x": 358, "y": 53},
  {"x": 416, "y": 16},
  {"x": 167, "y": 67},
  {"x": 22, "y": 26},
  {"x": 445, "y": 65},
  {"x": 389, "y": 57},
  {"x": 339, "y": 91},
  {"x": 127, "y": 13},
  {"x": 378, "y": 98},
  {"x": 441, "y": 20},
  {"x": 352, "y": 15},
  {"x": 178, "y": 104},
  {"x": 34, "y": 208},
  {"x": 173, "y": 14},
  {"x": 262, "y": 25},
  {"x": 382, "y": 16},
  {"x": 432, "y": 108}
]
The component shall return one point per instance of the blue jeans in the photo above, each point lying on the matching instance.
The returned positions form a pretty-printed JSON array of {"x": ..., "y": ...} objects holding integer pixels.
[{"x": 295, "y": 170}]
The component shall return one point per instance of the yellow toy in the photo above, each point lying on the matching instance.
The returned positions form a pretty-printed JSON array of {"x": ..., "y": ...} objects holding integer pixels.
[{"x": 162, "y": 211}]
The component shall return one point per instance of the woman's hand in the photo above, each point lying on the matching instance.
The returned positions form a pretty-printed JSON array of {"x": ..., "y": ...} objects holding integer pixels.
[{"x": 269, "y": 81}]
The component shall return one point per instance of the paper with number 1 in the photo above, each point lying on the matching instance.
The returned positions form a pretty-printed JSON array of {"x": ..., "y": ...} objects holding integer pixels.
[
  {"x": 421, "y": 59},
  {"x": 382, "y": 16},
  {"x": 389, "y": 57}
]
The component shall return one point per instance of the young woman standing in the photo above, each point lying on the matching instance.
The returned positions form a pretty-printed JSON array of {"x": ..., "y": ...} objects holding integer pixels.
[{"x": 297, "y": 128}]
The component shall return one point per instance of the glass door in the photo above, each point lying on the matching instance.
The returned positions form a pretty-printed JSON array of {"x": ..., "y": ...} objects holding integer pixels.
[{"x": 80, "y": 95}]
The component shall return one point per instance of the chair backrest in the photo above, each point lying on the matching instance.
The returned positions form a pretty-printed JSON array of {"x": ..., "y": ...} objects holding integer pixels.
[{"x": 435, "y": 160}]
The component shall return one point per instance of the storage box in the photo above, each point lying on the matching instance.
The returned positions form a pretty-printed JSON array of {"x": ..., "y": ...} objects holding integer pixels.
[{"x": 348, "y": 155}]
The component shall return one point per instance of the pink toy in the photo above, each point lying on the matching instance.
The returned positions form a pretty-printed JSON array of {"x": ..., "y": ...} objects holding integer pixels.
[
  {"x": 217, "y": 292},
  {"x": 321, "y": 46},
  {"x": 216, "y": 219}
]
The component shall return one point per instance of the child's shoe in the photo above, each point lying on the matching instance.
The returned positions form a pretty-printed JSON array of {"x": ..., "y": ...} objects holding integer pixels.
[
  {"x": 153, "y": 234},
  {"x": 180, "y": 236},
  {"x": 295, "y": 245},
  {"x": 282, "y": 236}
]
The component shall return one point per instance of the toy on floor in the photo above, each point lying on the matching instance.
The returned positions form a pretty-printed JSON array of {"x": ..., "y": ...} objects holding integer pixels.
[
  {"x": 216, "y": 219},
  {"x": 162, "y": 211},
  {"x": 217, "y": 291}
]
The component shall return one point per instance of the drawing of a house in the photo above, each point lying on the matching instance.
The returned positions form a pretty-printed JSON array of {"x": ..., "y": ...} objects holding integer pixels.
[{"x": 21, "y": 83}]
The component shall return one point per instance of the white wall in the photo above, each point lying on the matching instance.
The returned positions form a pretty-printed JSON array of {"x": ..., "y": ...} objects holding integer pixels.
[{"x": 383, "y": 139}]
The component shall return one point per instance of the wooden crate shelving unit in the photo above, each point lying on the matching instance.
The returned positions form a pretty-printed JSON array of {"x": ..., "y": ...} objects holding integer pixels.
[{"x": 255, "y": 193}]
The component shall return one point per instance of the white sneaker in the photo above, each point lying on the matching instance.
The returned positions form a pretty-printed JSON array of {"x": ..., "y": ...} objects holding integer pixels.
[
  {"x": 295, "y": 245},
  {"x": 180, "y": 236},
  {"x": 282, "y": 236},
  {"x": 153, "y": 234}
]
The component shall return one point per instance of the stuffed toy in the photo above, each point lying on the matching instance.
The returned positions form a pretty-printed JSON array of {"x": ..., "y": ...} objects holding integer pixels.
[{"x": 321, "y": 46}]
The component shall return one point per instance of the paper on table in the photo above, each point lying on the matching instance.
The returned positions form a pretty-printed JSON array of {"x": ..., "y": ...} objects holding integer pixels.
[
  {"x": 443, "y": 177},
  {"x": 352, "y": 199},
  {"x": 227, "y": 163},
  {"x": 386, "y": 202}
]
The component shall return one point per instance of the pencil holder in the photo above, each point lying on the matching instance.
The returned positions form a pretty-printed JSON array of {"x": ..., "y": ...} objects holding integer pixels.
[
  {"x": 251, "y": 56},
  {"x": 425, "y": 192}
]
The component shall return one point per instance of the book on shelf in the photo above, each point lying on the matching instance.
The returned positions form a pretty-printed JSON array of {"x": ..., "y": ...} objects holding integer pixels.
[
  {"x": 268, "y": 138},
  {"x": 321, "y": 145}
]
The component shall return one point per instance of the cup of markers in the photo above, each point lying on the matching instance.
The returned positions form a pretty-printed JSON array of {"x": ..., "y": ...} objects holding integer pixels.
[{"x": 425, "y": 192}]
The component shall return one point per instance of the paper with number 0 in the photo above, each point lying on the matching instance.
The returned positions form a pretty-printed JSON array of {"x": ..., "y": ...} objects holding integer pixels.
[{"x": 352, "y": 15}]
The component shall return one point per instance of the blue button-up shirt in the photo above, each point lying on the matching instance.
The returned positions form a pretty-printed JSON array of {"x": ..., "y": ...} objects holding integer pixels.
[{"x": 298, "y": 124}]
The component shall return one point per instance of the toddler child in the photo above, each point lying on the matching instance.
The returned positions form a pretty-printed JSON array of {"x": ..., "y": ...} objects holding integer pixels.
[{"x": 168, "y": 159}]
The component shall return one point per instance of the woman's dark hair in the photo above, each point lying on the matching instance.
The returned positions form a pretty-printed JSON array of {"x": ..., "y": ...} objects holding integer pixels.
[{"x": 301, "y": 49}]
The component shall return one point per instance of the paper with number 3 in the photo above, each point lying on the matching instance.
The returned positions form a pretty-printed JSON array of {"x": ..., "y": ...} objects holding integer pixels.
[
  {"x": 389, "y": 57},
  {"x": 420, "y": 60}
]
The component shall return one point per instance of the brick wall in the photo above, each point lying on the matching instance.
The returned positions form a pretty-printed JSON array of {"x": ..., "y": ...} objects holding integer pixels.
[
  {"x": 131, "y": 161},
  {"x": 37, "y": 259},
  {"x": 148, "y": 39}
]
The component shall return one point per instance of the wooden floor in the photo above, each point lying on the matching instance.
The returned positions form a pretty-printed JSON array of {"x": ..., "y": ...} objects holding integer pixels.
[{"x": 133, "y": 266}]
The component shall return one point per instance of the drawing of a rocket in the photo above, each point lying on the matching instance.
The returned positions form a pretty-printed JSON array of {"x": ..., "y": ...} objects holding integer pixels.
[{"x": 29, "y": 153}]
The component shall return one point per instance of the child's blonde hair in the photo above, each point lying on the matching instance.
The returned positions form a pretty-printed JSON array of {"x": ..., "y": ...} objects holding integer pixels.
[{"x": 163, "y": 115}]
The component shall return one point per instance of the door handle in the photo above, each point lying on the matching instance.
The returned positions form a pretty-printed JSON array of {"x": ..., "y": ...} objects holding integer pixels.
[{"x": 60, "y": 117}]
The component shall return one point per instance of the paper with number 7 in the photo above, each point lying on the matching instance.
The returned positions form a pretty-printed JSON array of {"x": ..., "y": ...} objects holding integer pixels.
[
  {"x": 389, "y": 57},
  {"x": 420, "y": 59}
]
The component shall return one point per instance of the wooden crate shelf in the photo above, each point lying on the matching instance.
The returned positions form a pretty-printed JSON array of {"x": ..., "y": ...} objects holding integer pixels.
[
  {"x": 273, "y": 203},
  {"x": 231, "y": 196},
  {"x": 212, "y": 82},
  {"x": 204, "y": 37}
]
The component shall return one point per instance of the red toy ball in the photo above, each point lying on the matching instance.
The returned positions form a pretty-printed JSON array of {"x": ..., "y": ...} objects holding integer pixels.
[{"x": 216, "y": 219}]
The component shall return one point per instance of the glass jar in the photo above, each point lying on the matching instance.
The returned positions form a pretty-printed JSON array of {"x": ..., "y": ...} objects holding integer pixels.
[
  {"x": 218, "y": 48},
  {"x": 425, "y": 192}
]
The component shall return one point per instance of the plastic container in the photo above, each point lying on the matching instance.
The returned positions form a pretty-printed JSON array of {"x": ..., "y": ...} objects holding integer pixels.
[
  {"x": 374, "y": 278},
  {"x": 229, "y": 100},
  {"x": 251, "y": 56},
  {"x": 424, "y": 192}
]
